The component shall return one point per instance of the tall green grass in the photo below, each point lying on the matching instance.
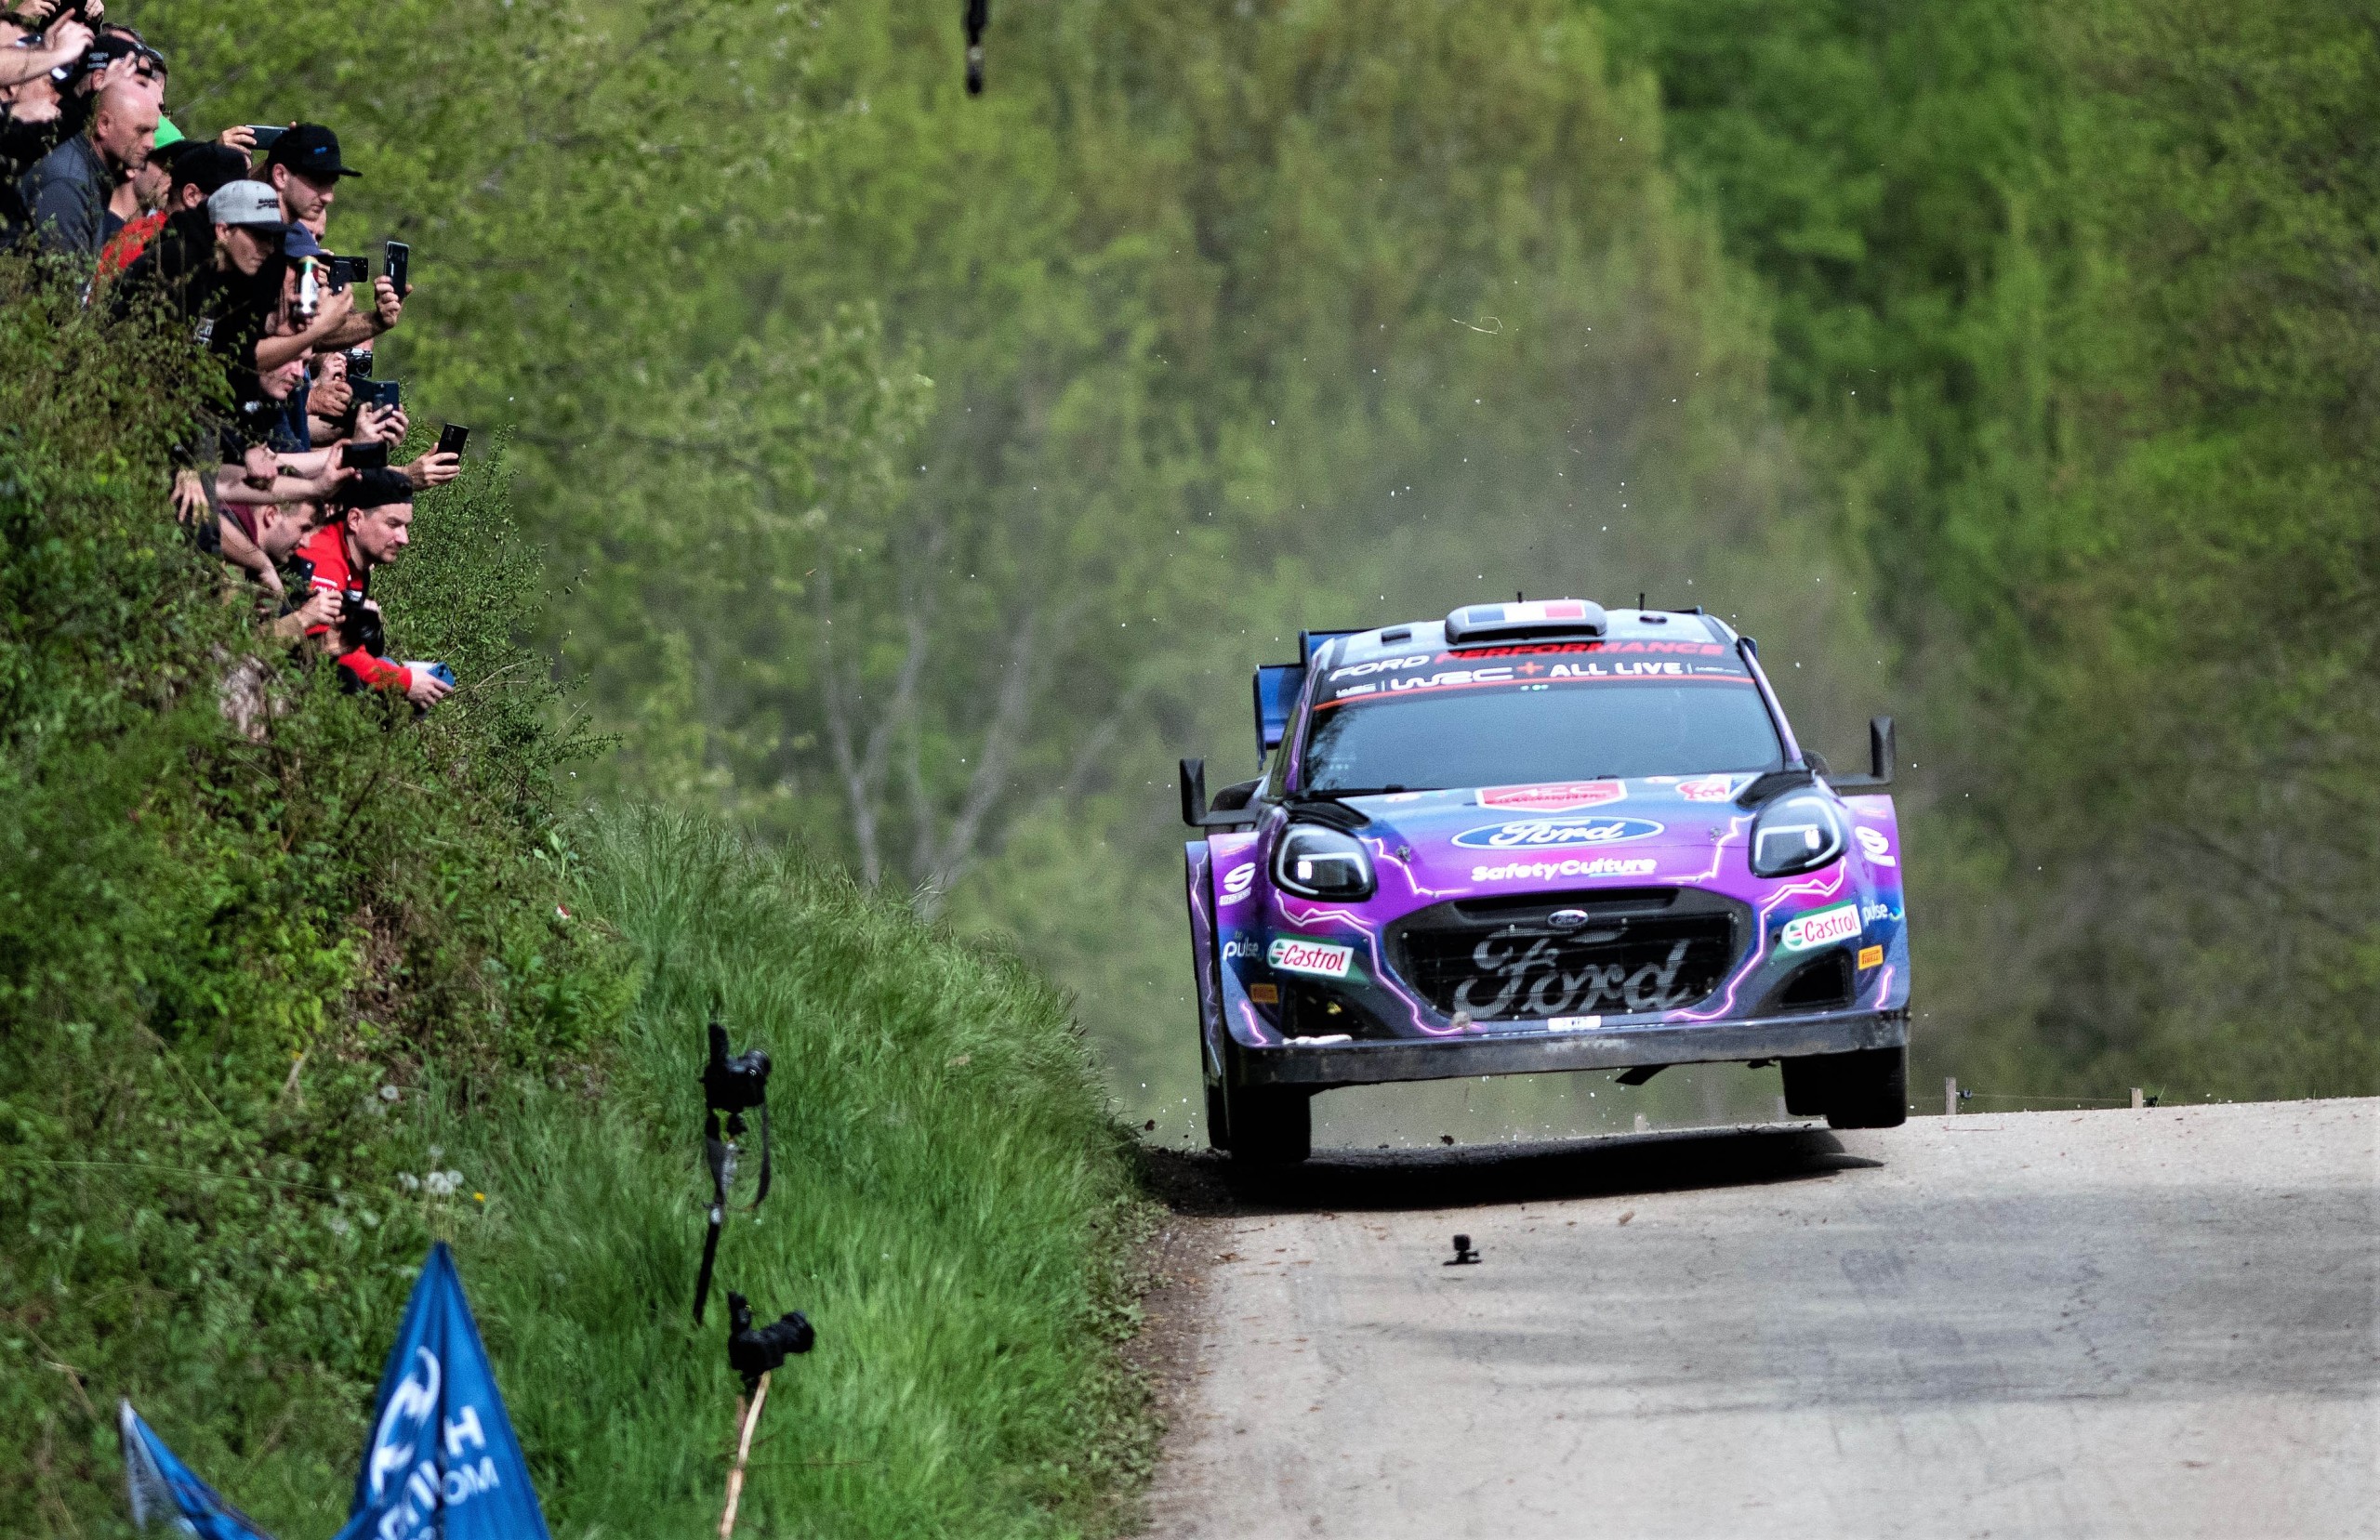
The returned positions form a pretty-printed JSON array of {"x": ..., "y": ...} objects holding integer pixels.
[{"x": 952, "y": 1208}]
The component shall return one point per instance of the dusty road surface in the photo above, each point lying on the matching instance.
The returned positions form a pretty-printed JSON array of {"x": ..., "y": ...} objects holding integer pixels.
[{"x": 2157, "y": 1323}]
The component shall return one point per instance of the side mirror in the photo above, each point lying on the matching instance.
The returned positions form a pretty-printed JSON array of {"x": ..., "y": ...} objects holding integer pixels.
[
  {"x": 1884, "y": 749},
  {"x": 1195, "y": 810},
  {"x": 1194, "y": 793}
]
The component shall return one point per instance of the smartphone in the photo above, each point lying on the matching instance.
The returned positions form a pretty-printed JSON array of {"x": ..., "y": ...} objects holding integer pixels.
[
  {"x": 265, "y": 134},
  {"x": 371, "y": 456},
  {"x": 400, "y": 259},
  {"x": 377, "y": 392},
  {"x": 451, "y": 439},
  {"x": 344, "y": 270}
]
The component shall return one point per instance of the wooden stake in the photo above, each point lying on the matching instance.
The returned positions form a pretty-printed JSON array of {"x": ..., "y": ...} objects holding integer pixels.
[
  {"x": 750, "y": 1420},
  {"x": 2138, "y": 1100},
  {"x": 1950, "y": 1095}
]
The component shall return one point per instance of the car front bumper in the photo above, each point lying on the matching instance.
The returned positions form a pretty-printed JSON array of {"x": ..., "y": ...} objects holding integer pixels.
[{"x": 1323, "y": 1066}]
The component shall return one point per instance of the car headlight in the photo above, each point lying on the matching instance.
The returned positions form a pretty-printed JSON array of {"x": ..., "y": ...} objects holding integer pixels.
[
  {"x": 1322, "y": 864},
  {"x": 1797, "y": 833}
]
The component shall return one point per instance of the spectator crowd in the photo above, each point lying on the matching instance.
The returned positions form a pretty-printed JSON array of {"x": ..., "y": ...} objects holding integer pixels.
[{"x": 292, "y": 484}]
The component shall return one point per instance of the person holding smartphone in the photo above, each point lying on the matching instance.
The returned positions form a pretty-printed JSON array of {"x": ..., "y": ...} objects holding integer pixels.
[{"x": 304, "y": 166}]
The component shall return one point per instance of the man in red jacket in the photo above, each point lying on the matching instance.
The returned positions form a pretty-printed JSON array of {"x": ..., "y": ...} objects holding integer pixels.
[{"x": 370, "y": 532}]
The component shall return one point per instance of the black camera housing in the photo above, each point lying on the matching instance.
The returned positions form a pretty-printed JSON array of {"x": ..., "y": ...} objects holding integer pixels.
[
  {"x": 753, "y": 1353},
  {"x": 360, "y": 626},
  {"x": 734, "y": 1086}
]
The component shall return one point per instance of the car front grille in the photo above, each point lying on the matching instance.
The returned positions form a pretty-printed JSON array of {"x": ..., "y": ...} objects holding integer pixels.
[{"x": 1602, "y": 953}]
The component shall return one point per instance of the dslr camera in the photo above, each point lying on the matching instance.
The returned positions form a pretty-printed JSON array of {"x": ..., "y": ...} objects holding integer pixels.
[{"x": 358, "y": 627}]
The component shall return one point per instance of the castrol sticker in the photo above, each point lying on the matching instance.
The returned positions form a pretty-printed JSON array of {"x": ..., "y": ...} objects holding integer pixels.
[
  {"x": 1824, "y": 927},
  {"x": 1559, "y": 796},
  {"x": 1292, "y": 956}
]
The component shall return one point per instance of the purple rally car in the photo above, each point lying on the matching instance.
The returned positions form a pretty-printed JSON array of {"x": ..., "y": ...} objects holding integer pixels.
[{"x": 1539, "y": 836}]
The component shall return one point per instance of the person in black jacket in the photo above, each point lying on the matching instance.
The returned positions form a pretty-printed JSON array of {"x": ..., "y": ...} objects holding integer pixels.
[
  {"x": 31, "y": 122},
  {"x": 66, "y": 196}
]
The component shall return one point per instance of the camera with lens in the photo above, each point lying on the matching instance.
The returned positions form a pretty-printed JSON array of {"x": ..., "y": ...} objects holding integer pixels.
[
  {"x": 360, "y": 627},
  {"x": 105, "y": 49},
  {"x": 735, "y": 1084}
]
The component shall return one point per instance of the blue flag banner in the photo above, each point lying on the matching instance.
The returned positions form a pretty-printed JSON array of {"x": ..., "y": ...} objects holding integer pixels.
[
  {"x": 442, "y": 1463},
  {"x": 165, "y": 1492}
]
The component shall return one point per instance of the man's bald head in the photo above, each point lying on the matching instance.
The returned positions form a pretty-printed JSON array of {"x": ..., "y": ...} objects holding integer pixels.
[{"x": 124, "y": 126}]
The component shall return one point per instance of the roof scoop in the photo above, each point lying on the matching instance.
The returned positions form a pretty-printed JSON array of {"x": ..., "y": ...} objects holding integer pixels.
[{"x": 1537, "y": 620}]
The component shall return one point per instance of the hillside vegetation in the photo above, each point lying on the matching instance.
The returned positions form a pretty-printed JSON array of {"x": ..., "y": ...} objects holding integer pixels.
[
  {"x": 254, "y": 991},
  {"x": 2074, "y": 320},
  {"x": 927, "y": 470}
]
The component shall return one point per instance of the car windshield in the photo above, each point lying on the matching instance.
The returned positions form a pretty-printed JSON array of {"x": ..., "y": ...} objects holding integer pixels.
[{"x": 1507, "y": 735}]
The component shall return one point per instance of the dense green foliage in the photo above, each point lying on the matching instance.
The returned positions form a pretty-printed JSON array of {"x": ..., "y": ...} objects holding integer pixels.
[
  {"x": 2075, "y": 317},
  {"x": 928, "y": 471},
  {"x": 218, "y": 942},
  {"x": 920, "y": 474},
  {"x": 262, "y": 971}
]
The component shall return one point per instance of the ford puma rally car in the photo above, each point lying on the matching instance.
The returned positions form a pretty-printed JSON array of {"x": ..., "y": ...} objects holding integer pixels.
[{"x": 1539, "y": 836}]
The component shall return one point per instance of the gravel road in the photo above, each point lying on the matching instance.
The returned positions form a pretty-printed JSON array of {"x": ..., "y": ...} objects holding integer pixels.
[{"x": 2162, "y": 1323}]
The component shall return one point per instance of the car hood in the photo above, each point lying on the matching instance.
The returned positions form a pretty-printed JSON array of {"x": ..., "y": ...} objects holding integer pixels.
[{"x": 1560, "y": 834}]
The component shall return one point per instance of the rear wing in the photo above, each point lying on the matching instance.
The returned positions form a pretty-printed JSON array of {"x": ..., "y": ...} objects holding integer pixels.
[{"x": 1276, "y": 690}]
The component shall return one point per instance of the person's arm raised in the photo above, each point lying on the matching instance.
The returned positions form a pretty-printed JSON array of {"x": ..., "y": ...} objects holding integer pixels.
[
  {"x": 67, "y": 41},
  {"x": 274, "y": 351}
]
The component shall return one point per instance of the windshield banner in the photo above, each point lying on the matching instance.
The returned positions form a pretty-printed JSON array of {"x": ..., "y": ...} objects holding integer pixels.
[{"x": 1548, "y": 662}]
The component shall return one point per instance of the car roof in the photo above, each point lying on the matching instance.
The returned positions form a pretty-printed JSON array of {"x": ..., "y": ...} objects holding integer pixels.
[{"x": 1407, "y": 636}]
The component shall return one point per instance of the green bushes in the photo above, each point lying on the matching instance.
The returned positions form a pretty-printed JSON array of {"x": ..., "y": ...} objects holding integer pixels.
[
  {"x": 2073, "y": 323},
  {"x": 251, "y": 983},
  {"x": 216, "y": 947}
]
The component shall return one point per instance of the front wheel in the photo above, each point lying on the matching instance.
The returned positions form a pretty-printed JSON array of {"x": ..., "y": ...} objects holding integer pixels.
[
  {"x": 1868, "y": 1088},
  {"x": 1266, "y": 1125}
]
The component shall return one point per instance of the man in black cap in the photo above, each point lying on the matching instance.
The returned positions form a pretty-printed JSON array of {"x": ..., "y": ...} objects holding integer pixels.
[
  {"x": 339, "y": 556},
  {"x": 305, "y": 167}
]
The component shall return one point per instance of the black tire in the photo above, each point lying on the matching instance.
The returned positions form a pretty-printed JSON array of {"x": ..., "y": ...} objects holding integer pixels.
[
  {"x": 1865, "y": 1090},
  {"x": 1268, "y": 1125},
  {"x": 1218, "y": 1119}
]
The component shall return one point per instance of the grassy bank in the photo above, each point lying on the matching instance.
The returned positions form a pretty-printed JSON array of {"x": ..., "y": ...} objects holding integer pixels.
[
  {"x": 255, "y": 986},
  {"x": 950, "y": 1208}
]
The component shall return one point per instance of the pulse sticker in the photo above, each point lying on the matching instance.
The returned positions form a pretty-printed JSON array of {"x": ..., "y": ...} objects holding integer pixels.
[
  {"x": 1805, "y": 931},
  {"x": 1541, "y": 834},
  {"x": 1238, "y": 881},
  {"x": 1870, "y": 957},
  {"x": 1292, "y": 956},
  {"x": 1560, "y": 796},
  {"x": 1878, "y": 848}
]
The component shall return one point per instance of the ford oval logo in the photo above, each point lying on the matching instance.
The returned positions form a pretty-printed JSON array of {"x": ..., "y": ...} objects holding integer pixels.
[
  {"x": 1556, "y": 833},
  {"x": 1567, "y": 919}
]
